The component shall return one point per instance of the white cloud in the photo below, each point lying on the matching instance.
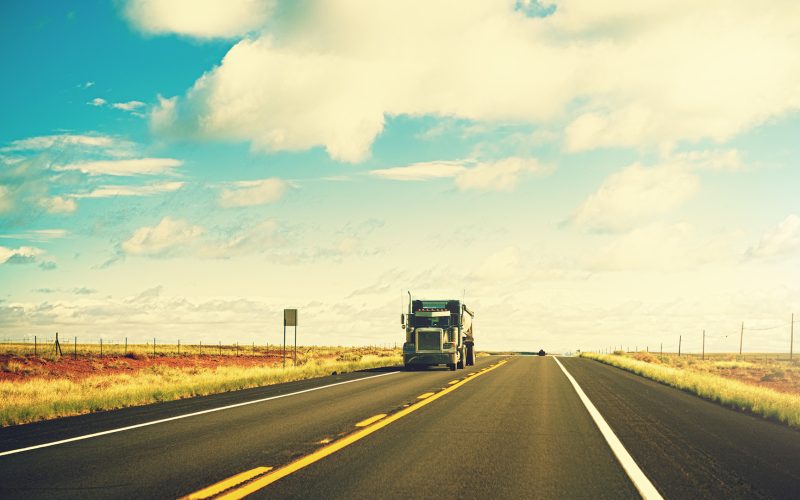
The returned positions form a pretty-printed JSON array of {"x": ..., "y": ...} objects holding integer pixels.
[
  {"x": 633, "y": 195},
  {"x": 61, "y": 140},
  {"x": 619, "y": 75},
  {"x": 782, "y": 240},
  {"x": 127, "y": 167},
  {"x": 728, "y": 159},
  {"x": 637, "y": 193},
  {"x": 422, "y": 171},
  {"x": 199, "y": 18},
  {"x": 254, "y": 239},
  {"x": 30, "y": 183},
  {"x": 21, "y": 255},
  {"x": 128, "y": 106},
  {"x": 251, "y": 193},
  {"x": 177, "y": 237},
  {"x": 168, "y": 236},
  {"x": 58, "y": 205},
  {"x": 501, "y": 175},
  {"x": 37, "y": 234},
  {"x": 25, "y": 191},
  {"x": 146, "y": 190}
]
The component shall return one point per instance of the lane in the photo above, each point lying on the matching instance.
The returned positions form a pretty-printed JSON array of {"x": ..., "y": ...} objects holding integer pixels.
[
  {"x": 21, "y": 436},
  {"x": 519, "y": 432},
  {"x": 689, "y": 447},
  {"x": 192, "y": 414},
  {"x": 178, "y": 457}
]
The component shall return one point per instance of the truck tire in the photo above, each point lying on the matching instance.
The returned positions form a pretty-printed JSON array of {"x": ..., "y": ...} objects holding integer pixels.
[
  {"x": 452, "y": 367},
  {"x": 470, "y": 356},
  {"x": 460, "y": 364}
]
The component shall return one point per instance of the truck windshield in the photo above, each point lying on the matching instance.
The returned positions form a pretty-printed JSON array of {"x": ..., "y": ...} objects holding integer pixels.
[{"x": 437, "y": 322}]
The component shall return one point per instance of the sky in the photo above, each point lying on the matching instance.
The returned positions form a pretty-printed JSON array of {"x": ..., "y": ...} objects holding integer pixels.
[{"x": 583, "y": 174}]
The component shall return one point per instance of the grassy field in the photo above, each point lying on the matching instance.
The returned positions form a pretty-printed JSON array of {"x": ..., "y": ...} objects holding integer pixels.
[
  {"x": 34, "y": 388},
  {"x": 45, "y": 349},
  {"x": 770, "y": 388}
]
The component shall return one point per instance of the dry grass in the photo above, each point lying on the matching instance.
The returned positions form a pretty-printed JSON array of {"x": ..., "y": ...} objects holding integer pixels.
[
  {"x": 708, "y": 380},
  {"x": 46, "y": 350},
  {"x": 40, "y": 398}
]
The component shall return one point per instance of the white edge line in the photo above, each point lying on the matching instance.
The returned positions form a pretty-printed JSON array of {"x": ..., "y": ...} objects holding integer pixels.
[
  {"x": 640, "y": 481},
  {"x": 187, "y": 415}
]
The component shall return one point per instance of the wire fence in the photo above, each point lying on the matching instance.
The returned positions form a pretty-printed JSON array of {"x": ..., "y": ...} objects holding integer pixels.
[
  {"x": 721, "y": 342},
  {"x": 54, "y": 346}
]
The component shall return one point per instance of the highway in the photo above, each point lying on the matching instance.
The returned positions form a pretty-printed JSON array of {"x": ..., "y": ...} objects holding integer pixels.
[{"x": 509, "y": 427}]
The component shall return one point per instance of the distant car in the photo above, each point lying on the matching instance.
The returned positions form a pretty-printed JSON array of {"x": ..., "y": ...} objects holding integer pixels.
[{"x": 541, "y": 352}]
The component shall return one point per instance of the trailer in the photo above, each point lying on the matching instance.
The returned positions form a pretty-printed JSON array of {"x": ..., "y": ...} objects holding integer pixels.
[{"x": 438, "y": 332}]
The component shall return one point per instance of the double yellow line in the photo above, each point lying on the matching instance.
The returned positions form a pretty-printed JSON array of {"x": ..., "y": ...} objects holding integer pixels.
[{"x": 266, "y": 476}]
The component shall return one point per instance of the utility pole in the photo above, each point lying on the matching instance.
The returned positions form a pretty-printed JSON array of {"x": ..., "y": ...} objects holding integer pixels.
[
  {"x": 791, "y": 338},
  {"x": 741, "y": 337},
  {"x": 679, "y": 345},
  {"x": 704, "y": 344}
]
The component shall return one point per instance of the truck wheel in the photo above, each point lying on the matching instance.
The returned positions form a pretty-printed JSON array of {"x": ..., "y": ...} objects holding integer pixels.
[
  {"x": 460, "y": 364},
  {"x": 470, "y": 356},
  {"x": 452, "y": 367}
]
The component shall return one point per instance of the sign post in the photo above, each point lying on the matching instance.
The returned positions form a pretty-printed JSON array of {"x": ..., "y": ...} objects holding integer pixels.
[{"x": 289, "y": 319}]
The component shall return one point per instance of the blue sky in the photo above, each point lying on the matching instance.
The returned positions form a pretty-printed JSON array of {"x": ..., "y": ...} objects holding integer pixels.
[{"x": 591, "y": 175}]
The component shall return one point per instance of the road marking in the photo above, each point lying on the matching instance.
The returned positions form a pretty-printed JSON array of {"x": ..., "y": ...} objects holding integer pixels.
[
  {"x": 640, "y": 481},
  {"x": 452, "y": 382},
  {"x": 332, "y": 448},
  {"x": 426, "y": 395},
  {"x": 370, "y": 420},
  {"x": 178, "y": 417},
  {"x": 226, "y": 484}
]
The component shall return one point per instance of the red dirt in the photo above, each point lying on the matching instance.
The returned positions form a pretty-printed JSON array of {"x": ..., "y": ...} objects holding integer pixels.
[
  {"x": 15, "y": 368},
  {"x": 789, "y": 383}
]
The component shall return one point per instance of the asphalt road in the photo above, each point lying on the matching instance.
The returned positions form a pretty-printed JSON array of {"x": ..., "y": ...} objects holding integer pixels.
[{"x": 517, "y": 430}]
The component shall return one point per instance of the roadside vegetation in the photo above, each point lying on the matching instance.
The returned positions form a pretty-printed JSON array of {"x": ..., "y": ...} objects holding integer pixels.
[
  {"x": 770, "y": 389},
  {"x": 33, "y": 388}
]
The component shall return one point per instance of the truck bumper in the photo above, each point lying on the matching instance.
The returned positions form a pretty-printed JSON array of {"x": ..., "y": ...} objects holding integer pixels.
[{"x": 429, "y": 359}]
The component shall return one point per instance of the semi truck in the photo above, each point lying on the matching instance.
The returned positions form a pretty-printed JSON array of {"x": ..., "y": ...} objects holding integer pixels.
[{"x": 438, "y": 332}]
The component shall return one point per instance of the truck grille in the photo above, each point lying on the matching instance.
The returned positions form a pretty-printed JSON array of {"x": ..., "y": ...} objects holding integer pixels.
[{"x": 428, "y": 341}]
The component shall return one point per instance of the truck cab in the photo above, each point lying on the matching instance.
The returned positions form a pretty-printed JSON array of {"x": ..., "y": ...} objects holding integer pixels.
[{"x": 438, "y": 332}]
